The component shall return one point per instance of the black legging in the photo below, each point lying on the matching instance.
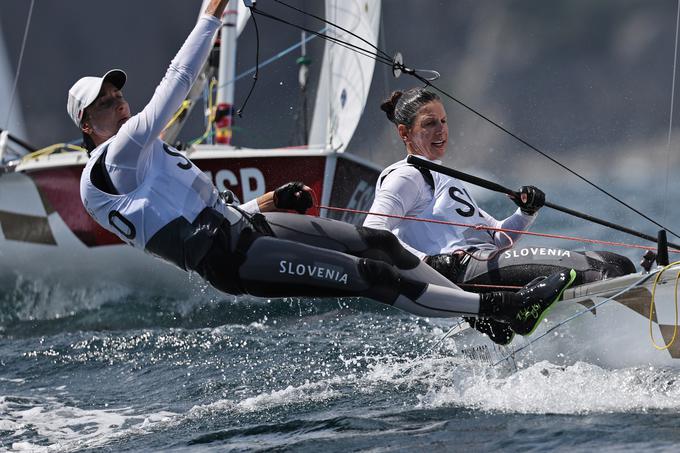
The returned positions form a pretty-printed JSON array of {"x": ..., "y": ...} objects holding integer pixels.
[
  {"x": 520, "y": 265},
  {"x": 286, "y": 255},
  {"x": 308, "y": 256}
]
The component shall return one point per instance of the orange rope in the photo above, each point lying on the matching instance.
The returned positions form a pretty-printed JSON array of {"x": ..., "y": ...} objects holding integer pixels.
[{"x": 485, "y": 227}]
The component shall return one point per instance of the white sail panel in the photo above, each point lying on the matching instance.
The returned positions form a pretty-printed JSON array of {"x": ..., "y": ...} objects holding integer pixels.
[
  {"x": 11, "y": 121},
  {"x": 345, "y": 75}
]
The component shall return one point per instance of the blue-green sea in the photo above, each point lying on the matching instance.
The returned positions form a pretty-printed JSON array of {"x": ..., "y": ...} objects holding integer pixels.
[
  {"x": 109, "y": 368},
  {"x": 136, "y": 372}
]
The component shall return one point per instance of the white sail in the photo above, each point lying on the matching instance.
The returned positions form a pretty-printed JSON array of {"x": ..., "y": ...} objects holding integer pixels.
[
  {"x": 345, "y": 74},
  {"x": 11, "y": 121}
]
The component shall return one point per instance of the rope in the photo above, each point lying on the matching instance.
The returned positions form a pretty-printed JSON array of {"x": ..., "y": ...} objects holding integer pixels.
[
  {"x": 182, "y": 108},
  {"x": 51, "y": 150},
  {"x": 507, "y": 230},
  {"x": 257, "y": 63},
  {"x": 479, "y": 285},
  {"x": 651, "y": 308},
  {"x": 211, "y": 114},
  {"x": 21, "y": 58}
]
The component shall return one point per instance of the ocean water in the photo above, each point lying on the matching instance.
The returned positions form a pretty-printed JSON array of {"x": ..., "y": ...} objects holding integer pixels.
[{"x": 133, "y": 372}]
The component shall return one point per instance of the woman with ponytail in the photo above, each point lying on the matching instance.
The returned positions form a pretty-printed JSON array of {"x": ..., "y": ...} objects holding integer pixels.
[{"x": 465, "y": 254}]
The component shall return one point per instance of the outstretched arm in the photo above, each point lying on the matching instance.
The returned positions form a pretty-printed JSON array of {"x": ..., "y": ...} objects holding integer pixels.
[{"x": 126, "y": 159}]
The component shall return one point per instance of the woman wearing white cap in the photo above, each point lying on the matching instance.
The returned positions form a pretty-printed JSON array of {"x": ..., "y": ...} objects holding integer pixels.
[{"x": 156, "y": 199}]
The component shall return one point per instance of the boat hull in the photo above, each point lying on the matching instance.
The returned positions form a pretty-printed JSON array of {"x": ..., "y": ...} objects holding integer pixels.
[{"x": 593, "y": 324}]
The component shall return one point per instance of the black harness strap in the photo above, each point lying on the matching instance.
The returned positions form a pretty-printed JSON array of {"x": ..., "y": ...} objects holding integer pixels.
[
  {"x": 100, "y": 176},
  {"x": 427, "y": 176}
]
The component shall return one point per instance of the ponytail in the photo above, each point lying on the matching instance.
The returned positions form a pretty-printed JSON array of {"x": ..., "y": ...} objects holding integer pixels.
[{"x": 402, "y": 107}]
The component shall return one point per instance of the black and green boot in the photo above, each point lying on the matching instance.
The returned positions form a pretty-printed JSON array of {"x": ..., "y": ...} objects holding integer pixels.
[{"x": 526, "y": 308}]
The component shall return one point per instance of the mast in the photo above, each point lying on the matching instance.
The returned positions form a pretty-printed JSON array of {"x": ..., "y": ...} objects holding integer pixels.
[
  {"x": 225, "y": 76},
  {"x": 303, "y": 75}
]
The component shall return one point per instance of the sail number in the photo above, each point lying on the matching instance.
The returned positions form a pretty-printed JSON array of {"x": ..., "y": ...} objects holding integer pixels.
[{"x": 252, "y": 182}]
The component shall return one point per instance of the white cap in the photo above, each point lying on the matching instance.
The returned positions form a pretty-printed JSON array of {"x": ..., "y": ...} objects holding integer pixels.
[{"x": 85, "y": 91}]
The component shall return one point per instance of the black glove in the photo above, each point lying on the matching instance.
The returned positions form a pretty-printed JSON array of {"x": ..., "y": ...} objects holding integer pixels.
[
  {"x": 293, "y": 196},
  {"x": 228, "y": 197},
  {"x": 535, "y": 199}
]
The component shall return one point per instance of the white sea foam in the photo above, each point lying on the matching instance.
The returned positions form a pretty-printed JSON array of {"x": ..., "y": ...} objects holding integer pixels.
[
  {"x": 546, "y": 388},
  {"x": 308, "y": 392},
  {"x": 67, "y": 428},
  {"x": 305, "y": 393}
]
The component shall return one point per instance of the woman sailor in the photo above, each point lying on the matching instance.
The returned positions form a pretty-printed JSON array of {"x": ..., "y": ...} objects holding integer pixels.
[
  {"x": 464, "y": 254},
  {"x": 154, "y": 198}
]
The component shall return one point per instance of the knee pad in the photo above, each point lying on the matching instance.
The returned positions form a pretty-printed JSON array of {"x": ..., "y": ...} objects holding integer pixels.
[
  {"x": 611, "y": 264},
  {"x": 384, "y": 246},
  {"x": 447, "y": 264},
  {"x": 386, "y": 283}
]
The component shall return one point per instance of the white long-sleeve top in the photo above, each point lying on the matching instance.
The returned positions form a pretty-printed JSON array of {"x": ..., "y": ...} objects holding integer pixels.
[
  {"x": 156, "y": 184},
  {"x": 402, "y": 190},
  {"x": 128, "y": 156}
]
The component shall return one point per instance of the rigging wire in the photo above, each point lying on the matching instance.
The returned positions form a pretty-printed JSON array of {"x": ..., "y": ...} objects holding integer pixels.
[
  {"x": 670, "y": 119},
  {"x": 270, "y": 60},
  {"x": 21, "y": 58},
  {"x": 353, "y": 47},
  {"x": 336, "y": 26},
  {"x": 542, "y": 153},
  {"x": 382, "y": 57},
  {"x": 257, "y": 62}
]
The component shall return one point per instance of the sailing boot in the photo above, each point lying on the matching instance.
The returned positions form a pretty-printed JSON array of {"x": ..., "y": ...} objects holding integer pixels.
[
  {"x": 497, "y": 331},
  {"x": 526, "y": 308},
  {"x": 452, "y": 266}
]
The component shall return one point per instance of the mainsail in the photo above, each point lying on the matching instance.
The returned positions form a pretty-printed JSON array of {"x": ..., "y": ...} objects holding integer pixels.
[
  {"x": 9, "y": 99},
  {"x": 345, "y": 74}
]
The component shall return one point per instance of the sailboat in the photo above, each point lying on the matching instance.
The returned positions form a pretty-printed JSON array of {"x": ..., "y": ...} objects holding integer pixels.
[{"x": 46, "y": 235}]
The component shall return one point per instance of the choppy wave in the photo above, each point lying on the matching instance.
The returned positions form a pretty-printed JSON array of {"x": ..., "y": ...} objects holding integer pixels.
[{"x": 301, "y": 380}]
